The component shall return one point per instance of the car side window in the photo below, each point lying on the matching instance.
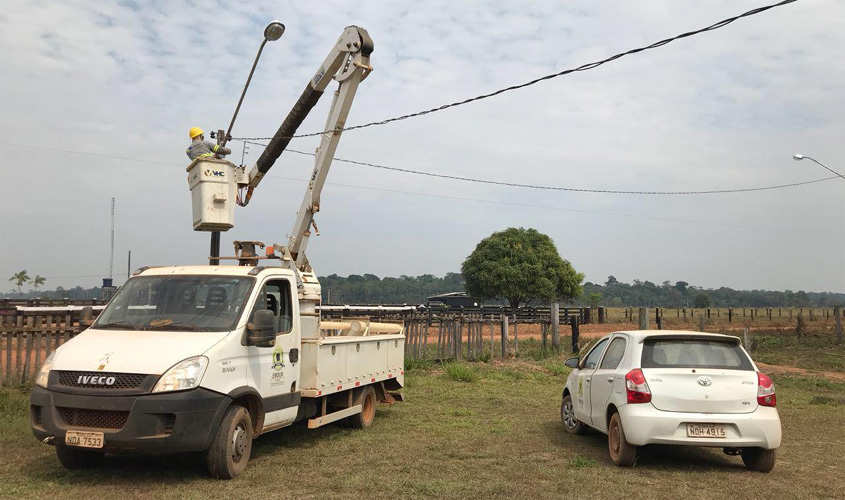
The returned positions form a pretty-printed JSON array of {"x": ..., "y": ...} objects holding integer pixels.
[
  {"x": 275, "y": 296},
  {"x": 615, "y": 352},
  {"x": 592, "y": 359}
]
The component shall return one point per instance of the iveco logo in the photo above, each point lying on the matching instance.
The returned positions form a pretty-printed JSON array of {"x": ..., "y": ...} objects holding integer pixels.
[
  {"x": 705, "y": 381},
  {"x": 94, "y": 380}
]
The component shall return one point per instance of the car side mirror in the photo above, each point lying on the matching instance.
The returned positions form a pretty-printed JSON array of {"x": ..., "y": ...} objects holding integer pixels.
[
  {"x": 260, "y": 330},
  {"x": 572, "y": 362},
  {"x": 86, "y": 317}
]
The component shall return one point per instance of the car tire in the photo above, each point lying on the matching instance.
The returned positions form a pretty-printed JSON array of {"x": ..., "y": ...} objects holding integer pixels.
[
  {"x": 622, "y": 453},
  {"x": 758, "y": 459},
  {"x": 74, "y": 458},
  {"x": 229, "y": 452},
  {"x": 567, "y": 416},
  {"x": 367, "y": 399}
]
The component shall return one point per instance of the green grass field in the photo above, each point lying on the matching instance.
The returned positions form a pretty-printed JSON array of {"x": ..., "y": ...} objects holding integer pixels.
[{"x": 468, "y": 430}]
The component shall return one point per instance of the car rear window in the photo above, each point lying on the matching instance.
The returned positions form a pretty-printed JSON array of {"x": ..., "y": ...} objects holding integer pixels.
[{"x": 694, "y": 353}]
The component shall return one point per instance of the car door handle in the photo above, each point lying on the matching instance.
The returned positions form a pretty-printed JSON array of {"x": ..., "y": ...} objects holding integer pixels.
[{"x": 609, "y": 380}]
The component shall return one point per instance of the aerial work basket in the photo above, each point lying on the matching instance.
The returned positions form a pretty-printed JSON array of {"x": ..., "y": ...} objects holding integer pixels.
[{"x": 212, "y": 185}]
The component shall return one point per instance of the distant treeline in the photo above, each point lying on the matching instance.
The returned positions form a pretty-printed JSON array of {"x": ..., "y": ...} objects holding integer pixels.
[
  {"x": 370, "y": 289},
  {"x": 615, "y": 293}
]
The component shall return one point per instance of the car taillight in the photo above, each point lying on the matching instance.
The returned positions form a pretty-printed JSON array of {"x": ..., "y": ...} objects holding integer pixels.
[
  {"x": 636, "y": 387},
  {"x": 766, "y": 391}
]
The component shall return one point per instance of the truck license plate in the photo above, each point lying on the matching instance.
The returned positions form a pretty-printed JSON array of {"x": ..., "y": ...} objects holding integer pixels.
[
  {"x": 706, "y": 430},
  {"x": 84, "y": 439}
]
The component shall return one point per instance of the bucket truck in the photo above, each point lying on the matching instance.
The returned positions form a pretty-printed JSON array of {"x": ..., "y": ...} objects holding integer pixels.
[{"x": 207, "y": 358}]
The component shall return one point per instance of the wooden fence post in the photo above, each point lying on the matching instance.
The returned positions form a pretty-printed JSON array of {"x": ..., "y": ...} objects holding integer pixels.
[
  {"x": 730, "y": 315},
  {"x": 745, "y": 339},
  {"x": 556, "y": 326},
  {"x": 799, "y": 325},
  {"x": 504, "y": 336},
  {"x": 837, "y": 311},
  {"x": 701, "y": 323},
  {"x": 643, "y": 317},
  {"x": 515, "y": 337},
  {"x": 573, "y": 322}
]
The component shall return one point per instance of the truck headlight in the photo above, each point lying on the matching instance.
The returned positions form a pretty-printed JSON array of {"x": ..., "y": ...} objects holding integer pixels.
[
  {"x": 183, "y": 375},
  {"x": 44, "y": 372}
]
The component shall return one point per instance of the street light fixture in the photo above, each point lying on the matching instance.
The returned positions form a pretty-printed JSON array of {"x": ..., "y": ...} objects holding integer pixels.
[
  {"x": 272, "y": 32},
  {"x": 799, "y": 157}
]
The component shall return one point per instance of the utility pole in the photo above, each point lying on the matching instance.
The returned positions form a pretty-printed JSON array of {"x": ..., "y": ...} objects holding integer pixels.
[{"x": 111, "y": 253}]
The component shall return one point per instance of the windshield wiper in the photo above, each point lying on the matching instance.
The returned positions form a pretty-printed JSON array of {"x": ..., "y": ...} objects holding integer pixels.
[
  {"x": 177, "y": 326},
  {"x": 117, "y": 325}
]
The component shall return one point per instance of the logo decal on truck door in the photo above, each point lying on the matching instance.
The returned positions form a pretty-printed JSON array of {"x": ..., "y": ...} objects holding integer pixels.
[{"x": 277, "y": 376}]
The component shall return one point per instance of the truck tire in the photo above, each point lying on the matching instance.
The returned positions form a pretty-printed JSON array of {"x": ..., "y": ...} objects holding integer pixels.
[
  {"x": 622, "y": 453},
  {"x": 74, "y": 458},
  {"x": 229, "y": 452},
  {"x": 758, "y": 459},
  {"x": 570, "y": 421},
  {"x": 365, "y": 397}
]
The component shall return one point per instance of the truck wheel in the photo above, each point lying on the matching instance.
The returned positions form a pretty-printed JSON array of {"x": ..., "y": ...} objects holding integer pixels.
[
  {"x": 622, "y": 453},
  {"x": 73, "y": 458},
  {"x": 367, "y": 399},
  {"x": 758, "y": 459},
  {"x": 229, "y": 452},
  {"x": 570, "y": 421}
]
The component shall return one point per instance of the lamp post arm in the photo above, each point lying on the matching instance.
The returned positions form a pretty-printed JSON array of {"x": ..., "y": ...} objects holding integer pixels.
[{"x": 825, "y": 166}]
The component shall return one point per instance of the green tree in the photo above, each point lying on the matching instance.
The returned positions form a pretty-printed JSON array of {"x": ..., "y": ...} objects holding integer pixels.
[
  {"x": 701, "y": 301},
  {"x": 20, "y": 278},
  {"x": 520, "y": 265},
  {"x": 594, "y": 299},
  {"x": 38, "y": 280}
]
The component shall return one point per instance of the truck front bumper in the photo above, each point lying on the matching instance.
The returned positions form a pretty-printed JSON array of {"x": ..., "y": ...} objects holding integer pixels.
[{"x": 175, "y": 422}]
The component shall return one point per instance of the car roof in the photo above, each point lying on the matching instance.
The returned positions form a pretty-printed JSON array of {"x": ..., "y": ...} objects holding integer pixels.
[{"x": 641, "y": 335}]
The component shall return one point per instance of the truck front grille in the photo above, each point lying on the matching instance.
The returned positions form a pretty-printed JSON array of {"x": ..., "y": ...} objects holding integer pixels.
[
  {"x": 101, "y": 380},
  {"x": 98, "y": 419}
]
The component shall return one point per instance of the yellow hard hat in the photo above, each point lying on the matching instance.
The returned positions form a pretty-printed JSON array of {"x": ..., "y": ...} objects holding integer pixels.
[{"x": 195, "y": 131}]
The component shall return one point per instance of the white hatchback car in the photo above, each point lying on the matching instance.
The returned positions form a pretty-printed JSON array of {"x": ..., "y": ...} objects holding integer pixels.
[{"x": 677, "y": 388}]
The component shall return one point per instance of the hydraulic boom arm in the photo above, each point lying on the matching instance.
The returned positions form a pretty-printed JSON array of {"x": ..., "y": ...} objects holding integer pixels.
[{"x": 349, "y": 64}]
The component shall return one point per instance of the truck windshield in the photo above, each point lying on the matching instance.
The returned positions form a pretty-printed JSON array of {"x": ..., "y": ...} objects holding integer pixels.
[{"x": 185, "y": 303}]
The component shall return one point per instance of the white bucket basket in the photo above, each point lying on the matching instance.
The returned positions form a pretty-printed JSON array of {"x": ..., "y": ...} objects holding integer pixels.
[{"x": 212, "y": 184}]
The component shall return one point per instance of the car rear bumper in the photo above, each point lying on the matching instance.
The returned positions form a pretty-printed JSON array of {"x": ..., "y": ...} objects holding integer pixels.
[
  {"x": 644, "y": 424},
  {"x": 151, "y": 424}
]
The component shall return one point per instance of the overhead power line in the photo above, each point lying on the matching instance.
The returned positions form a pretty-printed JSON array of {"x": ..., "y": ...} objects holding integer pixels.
[
  {"x": 583, "y": 67},
  {"x": 561, "y": 188},
  {"x": 429, "y": 195},
  {"x": 465, "y": 179}
]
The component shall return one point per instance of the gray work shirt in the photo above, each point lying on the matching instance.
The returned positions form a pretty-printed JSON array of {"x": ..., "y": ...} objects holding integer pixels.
[{"x": 205, "y": 149}]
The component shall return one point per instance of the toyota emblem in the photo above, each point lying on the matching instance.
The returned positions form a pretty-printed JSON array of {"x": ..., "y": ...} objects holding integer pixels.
[{"x": 705, "y": 381}]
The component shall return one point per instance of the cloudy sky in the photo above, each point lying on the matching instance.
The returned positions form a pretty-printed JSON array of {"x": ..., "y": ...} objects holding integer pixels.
[{"x": 723, "y": 110}]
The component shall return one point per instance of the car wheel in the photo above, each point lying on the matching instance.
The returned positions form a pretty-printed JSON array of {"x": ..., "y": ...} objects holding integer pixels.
[
  {"x": 367, "y": 399},
  {"x": 229, "y": 452},
  {"x": 758, "y": 459},
  {"x": 570, "y": 421},
  {"x": 72, "y": 458},
  {"x": 622, "y": 453}
]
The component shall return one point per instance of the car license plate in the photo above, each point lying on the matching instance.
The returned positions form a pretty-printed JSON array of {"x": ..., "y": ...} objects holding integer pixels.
[
  {"x": 707, "y": 430},
  {"x": 84, "y": 439}
]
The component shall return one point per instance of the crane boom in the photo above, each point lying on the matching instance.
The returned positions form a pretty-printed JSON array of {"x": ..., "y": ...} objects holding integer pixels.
[{"x": 348, "y": 63}]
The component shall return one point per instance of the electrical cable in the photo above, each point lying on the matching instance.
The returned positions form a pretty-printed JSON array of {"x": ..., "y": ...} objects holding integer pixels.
[
  {"x": 583, "y": 67},
  {"x": 561, "y": 188},
  {"x": 464, "y": 179}
]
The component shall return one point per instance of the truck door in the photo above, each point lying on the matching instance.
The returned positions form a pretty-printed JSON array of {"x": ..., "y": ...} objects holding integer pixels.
[
  {"x": 605, "y": 379},
  {"x": 585, "y": 378},
  {"x": 271, "y": 369}
]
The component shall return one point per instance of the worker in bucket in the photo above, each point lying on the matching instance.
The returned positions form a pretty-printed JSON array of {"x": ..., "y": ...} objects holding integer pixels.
[{"x": 200, "y": 148}]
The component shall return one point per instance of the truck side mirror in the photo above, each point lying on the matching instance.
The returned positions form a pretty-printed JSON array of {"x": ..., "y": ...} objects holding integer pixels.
[
  {"x": 260, "y": 330},
  {"x": 572, "y": 362},
  {"x": 86, "y": 317}
]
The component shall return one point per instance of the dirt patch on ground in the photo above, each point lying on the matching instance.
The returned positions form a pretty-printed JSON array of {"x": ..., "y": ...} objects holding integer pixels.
[{"x": 800, "y": 372}]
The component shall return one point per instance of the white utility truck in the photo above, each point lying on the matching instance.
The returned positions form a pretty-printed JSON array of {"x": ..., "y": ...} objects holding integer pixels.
[{"x": 206, "y": 358}]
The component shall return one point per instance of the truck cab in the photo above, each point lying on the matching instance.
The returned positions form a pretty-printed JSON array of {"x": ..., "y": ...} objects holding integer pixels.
[{"x": 205, "y": 358}]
